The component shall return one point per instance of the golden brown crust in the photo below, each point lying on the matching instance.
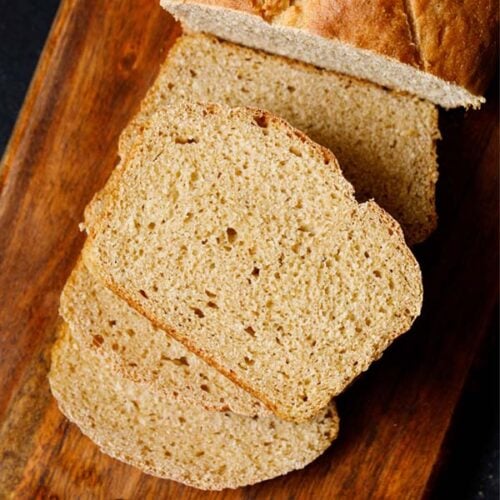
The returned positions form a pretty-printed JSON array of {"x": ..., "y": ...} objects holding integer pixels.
[
  {"x": 378, "y": 25},
  {"x": 266, "y": 9},
  {"x": 241, "y": 5},
  {"x": 458, "y": 40}
]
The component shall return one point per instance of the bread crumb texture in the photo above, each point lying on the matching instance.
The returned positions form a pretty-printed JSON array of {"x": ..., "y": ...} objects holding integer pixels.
[
  {"x": 203, "y": 449},
  {"x": 385, "y": 141},
  {"x": 240, "y": 237},
  {"x": 133, "y": 346}
]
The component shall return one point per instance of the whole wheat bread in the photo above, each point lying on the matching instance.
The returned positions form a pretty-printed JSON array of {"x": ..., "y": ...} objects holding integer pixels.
[
  {"x": 444, "y": 51},
  {"x": 208, "y": 450},
  {"x": 132, "y": 346},
  {"x": 384, "y": 141},
  {"x": 240, "y": 237}
]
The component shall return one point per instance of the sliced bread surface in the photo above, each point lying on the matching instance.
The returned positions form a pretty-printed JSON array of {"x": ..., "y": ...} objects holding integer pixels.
[
  {"x": 134, "y": 347},
  {"x": 207, "y": 450},
  {"x": 240, "y": 237},
  {"x": 385, "y": 141},
  {"x": 444, "y": 52}
]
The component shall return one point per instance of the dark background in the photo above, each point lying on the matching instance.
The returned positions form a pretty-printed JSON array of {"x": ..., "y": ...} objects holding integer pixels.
[{"x": 470, "y": 468}]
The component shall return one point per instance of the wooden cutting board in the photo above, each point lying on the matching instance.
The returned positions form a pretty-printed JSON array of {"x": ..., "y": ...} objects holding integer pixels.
[{"x": 100, "y": 58}]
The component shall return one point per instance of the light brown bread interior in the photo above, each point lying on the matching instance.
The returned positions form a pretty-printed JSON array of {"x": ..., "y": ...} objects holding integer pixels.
[
  {"x": 132, "y": 346},
  {"x": 207, "y": 450},
  {"x": 444, "y": 52},
  {"x": 240, "y": 237},
  {"x": 384, "y": 141}
]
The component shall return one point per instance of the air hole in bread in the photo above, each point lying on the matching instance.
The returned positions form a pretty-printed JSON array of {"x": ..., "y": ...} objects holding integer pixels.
[
  {"x": 249, "y": 361},
  {"x": 250, "y": 330},
  {"x": 213, "y": 305},
  {"x": 204, "y": 387},
  {"x": 255, "y": 272},
  {"x": 185, "y": 140},
  {"x": 295, "y": 151},
  {"x": 305, "y": 228},
  {"x": 261, "y": 121},
  {"x": 97, "y": 340},
  {"x": 198, "y": 312},
  {"x": 182, "y": 361},
  {"x": 232, "y": 234},
  {"x": 144, "y": 294}
]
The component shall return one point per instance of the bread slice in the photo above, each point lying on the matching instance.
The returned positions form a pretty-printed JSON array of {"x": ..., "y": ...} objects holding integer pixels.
[
  {"x": 207, "y": 450},
  {"x": 384, "y": 141},
  {"x": 444, "y": 51},
  {"x": 240, "y": 237},
  {"x": 132, "y": 346}
]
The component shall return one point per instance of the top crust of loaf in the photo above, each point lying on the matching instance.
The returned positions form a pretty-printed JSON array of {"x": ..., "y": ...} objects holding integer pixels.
[
  {"x": 441, "y": 51},
  {"x": 239, "y": 236}
]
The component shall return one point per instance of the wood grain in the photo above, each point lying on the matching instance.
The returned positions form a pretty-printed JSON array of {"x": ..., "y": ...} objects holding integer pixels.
[{"x": 98, "y": 62}]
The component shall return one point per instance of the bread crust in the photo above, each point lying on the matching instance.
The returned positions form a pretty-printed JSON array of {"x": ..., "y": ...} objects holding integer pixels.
[
  {"x": 379, "y": 25},
  {"x": 458, "y": 40},
  {"x": 454, "y": 41}
]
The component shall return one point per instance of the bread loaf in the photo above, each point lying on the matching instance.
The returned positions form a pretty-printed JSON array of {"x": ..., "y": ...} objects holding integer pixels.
[
  {"x": 240, "y": 237},
  {"x": 445, "y": 52},
  {"x": 207, "y": 450},
  {"x": 384, "y": 141},
  {"x": 133, "y": 347}
]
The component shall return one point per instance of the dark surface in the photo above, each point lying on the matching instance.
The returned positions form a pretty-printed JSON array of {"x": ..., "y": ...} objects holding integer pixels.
[
  {"x": 471, "y": 462},
  {"x": 24, "y": 25}
]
